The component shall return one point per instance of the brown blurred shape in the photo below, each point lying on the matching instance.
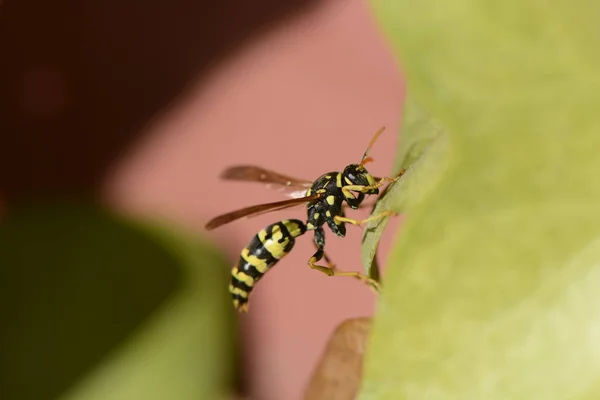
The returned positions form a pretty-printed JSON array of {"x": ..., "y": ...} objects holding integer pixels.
[{"x": 339, "y": 372}]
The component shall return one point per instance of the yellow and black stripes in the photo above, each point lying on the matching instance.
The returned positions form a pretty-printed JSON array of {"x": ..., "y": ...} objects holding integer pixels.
[{"x": 265, "y": 249}]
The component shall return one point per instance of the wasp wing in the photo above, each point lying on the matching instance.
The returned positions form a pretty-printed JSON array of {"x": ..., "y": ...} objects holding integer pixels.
[
  {"x": 253, "y": 210},
  {"x": 284, "y": 207},
  {"x": 254, "y": 173},
  {"x": 294, "y": 187},
  {"x": 362, "y": 205}
]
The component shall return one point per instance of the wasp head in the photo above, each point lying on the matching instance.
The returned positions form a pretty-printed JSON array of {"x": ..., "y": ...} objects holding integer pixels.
[{"x": 357, "y": 175}]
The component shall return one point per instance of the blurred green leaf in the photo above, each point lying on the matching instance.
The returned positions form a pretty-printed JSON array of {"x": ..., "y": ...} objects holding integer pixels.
[
  {"x": 492, "y": 288},
  {"x": 98, "y": 306}
]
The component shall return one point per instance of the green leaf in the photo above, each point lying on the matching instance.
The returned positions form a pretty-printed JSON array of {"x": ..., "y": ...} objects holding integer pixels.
[
  {"x": 97, "y": 306},
  {"x": 492, "y": 288},
  {"x": 423, "y": 153}
]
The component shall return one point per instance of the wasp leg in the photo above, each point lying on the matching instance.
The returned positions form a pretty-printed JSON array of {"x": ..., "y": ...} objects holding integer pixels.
[
  {"x": 320, "y": 244},
  {"x": 330, "y": 264},
  {"x": 364, "y": 221},
  {"x": 374, "y": 285}
]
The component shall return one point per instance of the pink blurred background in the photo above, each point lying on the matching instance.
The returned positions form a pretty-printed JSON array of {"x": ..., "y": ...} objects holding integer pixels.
[{"x": 299, "y": 88}]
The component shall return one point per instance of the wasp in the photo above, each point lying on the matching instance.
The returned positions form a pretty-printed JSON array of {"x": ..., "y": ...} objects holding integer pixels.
[{"x": 325, "y": 199}]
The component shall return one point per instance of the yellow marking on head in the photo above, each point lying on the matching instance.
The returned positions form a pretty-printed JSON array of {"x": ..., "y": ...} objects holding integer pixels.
[
  {"x": 260, "y": 265},
  {"x": 330, "y": 200},
  {"x": 328, "y": 213},
  {"x": 347, "y": 180},
  {"x": 238, "y": 291},
  {"x": 338, "y": 179},
  {"x": 370, "y": 179},
  {"x": 244, "y": 277}
]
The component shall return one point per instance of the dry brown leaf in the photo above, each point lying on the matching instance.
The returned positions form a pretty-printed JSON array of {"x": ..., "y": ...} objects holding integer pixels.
[{"x": 338, "y": 373}]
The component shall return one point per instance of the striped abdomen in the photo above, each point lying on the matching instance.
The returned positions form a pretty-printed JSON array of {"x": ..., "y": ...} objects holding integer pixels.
[{"x": 264, "y": 251}]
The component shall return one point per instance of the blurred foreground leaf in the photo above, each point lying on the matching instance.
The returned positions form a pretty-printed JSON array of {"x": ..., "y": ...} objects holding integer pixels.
[
  {"x": 492, "y": 288},
  {"x": 100, "y": 307}
]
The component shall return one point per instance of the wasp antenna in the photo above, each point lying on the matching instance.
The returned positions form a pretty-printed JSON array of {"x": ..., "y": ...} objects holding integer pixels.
[{"x": 366, "y": 159}]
